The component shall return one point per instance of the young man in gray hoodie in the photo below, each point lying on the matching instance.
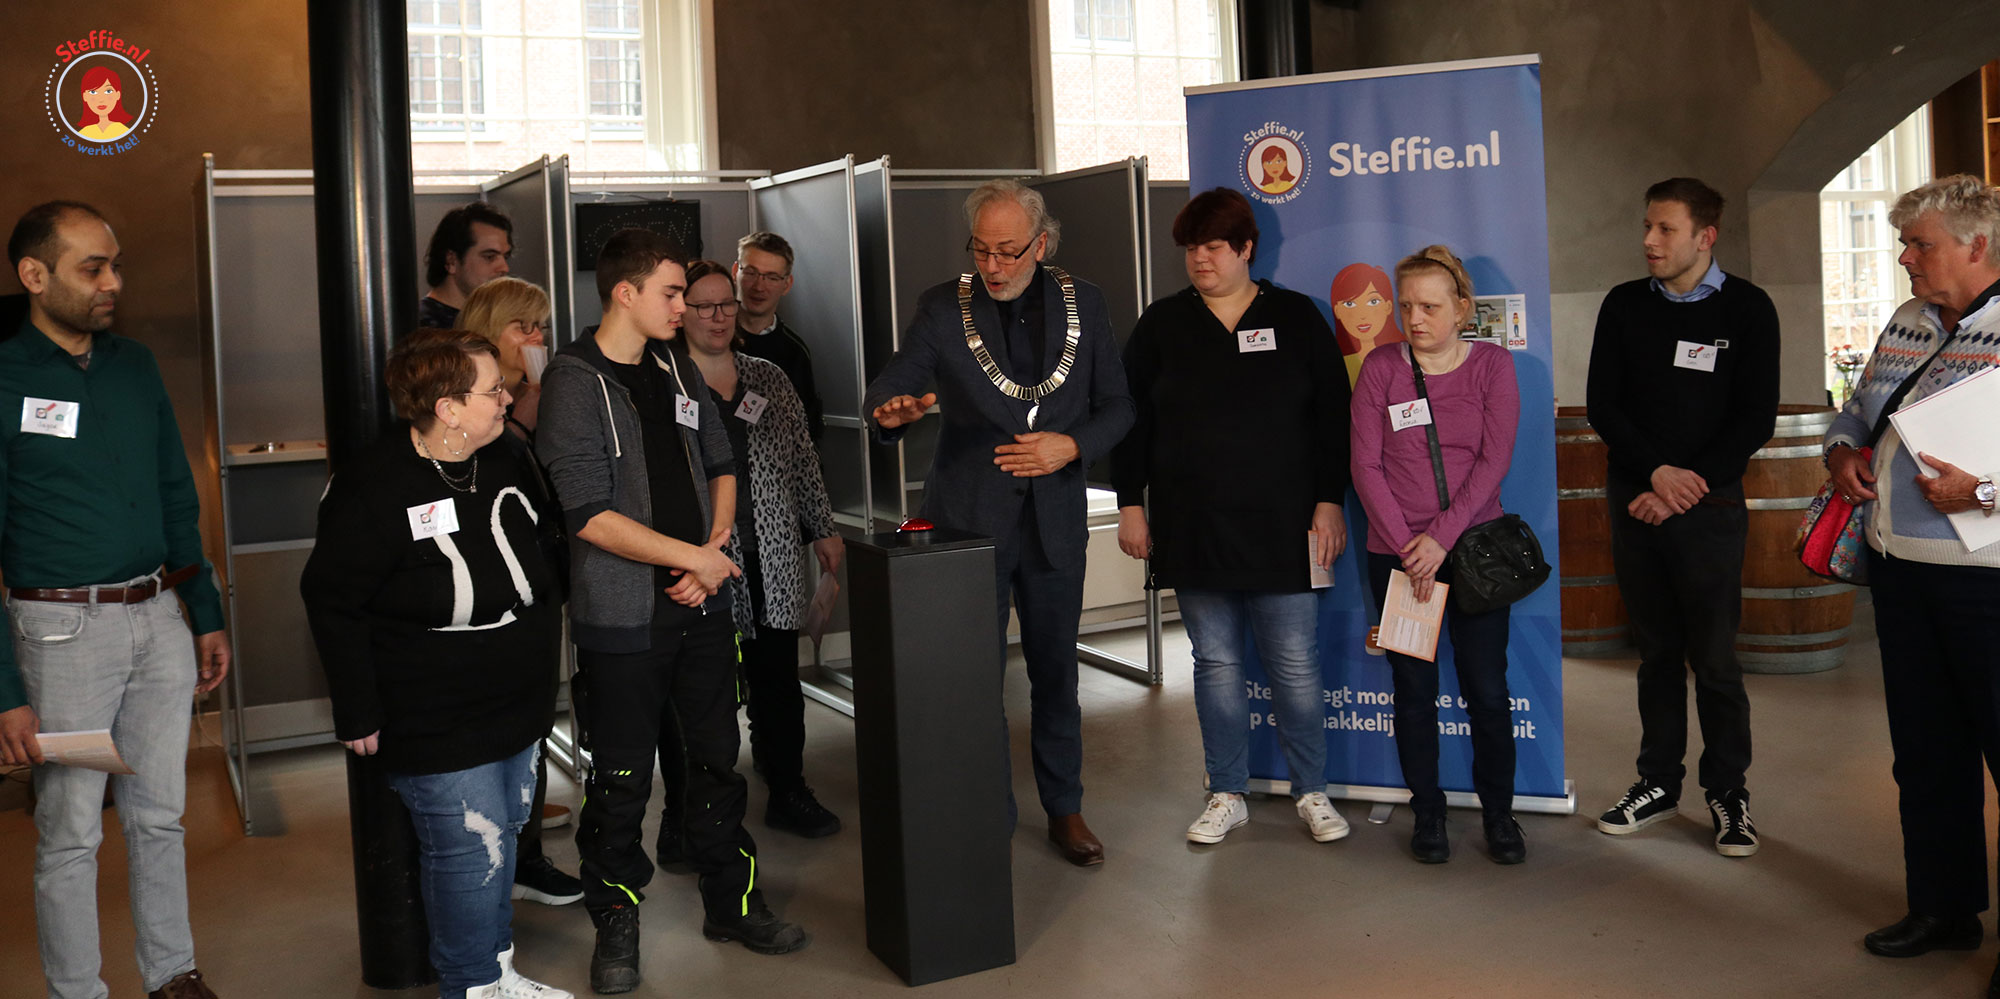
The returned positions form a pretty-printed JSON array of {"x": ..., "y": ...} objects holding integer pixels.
[{"x": 642, "y": 467}]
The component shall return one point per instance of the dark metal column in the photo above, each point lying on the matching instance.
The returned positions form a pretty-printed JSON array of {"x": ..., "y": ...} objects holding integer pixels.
[
  {"x": 1274, "y": 37},
  {"x": 364, "y": 213}
]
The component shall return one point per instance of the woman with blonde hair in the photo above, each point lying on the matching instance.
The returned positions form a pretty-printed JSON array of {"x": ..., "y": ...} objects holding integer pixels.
[
  {"x": 1420, "y": 496},
  {"x": 514, "y": 315}
]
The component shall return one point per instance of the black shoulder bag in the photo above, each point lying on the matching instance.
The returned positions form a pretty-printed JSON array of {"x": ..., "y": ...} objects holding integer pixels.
[{"x": 1495, "y": 563}]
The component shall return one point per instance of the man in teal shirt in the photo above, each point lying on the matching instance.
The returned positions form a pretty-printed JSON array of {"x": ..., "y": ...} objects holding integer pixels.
[{"x": 98, "y": 531}]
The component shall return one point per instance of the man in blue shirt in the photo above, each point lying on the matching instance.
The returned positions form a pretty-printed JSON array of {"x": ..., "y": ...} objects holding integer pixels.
[{"x": 98, "y": 532}]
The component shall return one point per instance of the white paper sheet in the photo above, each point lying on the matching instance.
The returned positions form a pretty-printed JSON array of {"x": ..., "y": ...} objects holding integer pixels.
[
  {"x": 92, "y": 750},
  {"x": 534, "y": 360},
  {"x": 1321, "y": 578},
  {"x": 1410, "y": 627},
  {"x": 1955, "y": 424}
]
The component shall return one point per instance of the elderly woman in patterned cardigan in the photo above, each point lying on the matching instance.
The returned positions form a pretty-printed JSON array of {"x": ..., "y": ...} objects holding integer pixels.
[{"x": 781, "y": 507}]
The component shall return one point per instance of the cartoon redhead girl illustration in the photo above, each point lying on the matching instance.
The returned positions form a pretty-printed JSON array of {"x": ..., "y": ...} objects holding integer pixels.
[
  {"x": 1364, "y": 313},
  {"x": 1278, "y": 177},
  {"x": 104, "y": 117}
]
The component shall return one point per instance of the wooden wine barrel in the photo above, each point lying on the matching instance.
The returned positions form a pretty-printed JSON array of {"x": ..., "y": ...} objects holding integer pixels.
[
  {"x": 1793, "y": 621},
  {"x": 1593, "y": 614}
]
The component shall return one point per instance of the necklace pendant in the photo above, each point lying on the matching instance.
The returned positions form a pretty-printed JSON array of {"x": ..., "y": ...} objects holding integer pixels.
[{"x": 1032, "y": 412}]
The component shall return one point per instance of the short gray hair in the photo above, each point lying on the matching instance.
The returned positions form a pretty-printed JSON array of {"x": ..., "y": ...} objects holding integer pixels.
[
  {"x": 1966, "y": 206},
  {"x": 1021, "y": 194}
]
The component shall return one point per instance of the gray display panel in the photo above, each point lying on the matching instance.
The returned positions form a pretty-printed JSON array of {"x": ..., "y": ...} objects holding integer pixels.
[
  {"x": 1166, "y": 199},
  {"x": 1103, "y": 213},
  {"x": 524, "y": 197},
  {"x": 267, "y": 318},
  {"x": 879, "y": 320},
  {"x": 562, "y": 242}
]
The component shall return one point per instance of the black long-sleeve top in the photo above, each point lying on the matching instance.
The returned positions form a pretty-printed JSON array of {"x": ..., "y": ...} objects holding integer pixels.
[
  {"x": 1237, "y": 446},
  {"x": 1652, "y": 412},
  {"x": 447, "y": 645}
]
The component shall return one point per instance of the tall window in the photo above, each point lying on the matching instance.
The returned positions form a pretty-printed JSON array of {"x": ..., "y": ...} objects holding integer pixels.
[
  {"x": 612, "y": 84},
  {"x": 616, "y": 53},
  {"x": 445, "y": 64},
  {"x": 1116, "y": 69},
  {"x": 1861, "y": 284}
]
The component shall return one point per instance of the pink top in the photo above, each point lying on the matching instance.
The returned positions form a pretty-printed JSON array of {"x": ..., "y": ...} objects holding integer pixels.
[{"x": 1475, "y": 406}]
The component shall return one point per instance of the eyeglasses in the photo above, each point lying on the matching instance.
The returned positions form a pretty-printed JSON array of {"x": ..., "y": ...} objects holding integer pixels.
[
  {"x": 986, "y": 256},
  {"x": 749, "y": 274},
  {"x": 709, "y": 311},
  {"x": 530, "y": 329},
  {"x": 496, "y": 393}
]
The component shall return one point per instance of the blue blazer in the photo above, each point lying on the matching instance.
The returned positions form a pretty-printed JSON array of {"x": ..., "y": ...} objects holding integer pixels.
[{"x": 965, "y": 489}]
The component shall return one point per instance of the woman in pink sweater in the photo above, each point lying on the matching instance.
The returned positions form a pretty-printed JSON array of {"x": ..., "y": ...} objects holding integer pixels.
[{"x": 1473, "y": 405}]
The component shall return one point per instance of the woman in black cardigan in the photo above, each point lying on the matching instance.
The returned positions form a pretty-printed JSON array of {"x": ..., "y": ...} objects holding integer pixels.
[{"x": 435, "y": 608}]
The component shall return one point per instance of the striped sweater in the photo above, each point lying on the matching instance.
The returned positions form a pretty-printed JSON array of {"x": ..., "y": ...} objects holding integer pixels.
[{"x": 1901, "y": 522}]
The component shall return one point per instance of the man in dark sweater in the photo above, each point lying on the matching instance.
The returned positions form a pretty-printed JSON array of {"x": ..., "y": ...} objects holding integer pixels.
[
  {"x": 1683, "y": 388},
  {"x": 763, "y": 275},
  {"x": 470, "y": 246}
]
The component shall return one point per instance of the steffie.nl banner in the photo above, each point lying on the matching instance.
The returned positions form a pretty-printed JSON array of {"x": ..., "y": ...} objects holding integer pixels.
[{"x": 1349, "y": 173}]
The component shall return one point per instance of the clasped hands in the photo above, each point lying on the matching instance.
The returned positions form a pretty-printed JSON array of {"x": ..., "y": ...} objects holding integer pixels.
[
  {"x": 710, "y": 572},
  {"x": 1675, "y": 491}
]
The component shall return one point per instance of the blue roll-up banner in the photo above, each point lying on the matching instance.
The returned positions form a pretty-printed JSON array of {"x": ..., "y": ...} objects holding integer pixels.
[{"x": 1349, "y": 173}]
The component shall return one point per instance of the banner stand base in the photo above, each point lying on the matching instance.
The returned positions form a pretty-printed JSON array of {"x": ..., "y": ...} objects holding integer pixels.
[{"x": 1393, "y": 796}]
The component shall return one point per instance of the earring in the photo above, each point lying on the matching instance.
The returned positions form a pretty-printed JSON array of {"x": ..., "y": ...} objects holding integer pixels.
[{"x": 463, "y": 439}]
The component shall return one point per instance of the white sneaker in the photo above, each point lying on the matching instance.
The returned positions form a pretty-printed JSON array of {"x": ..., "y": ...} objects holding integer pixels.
[
  {"x": 488, "y": 991},
  {"x": 513, "y": 985},
  {"x": 1224, "y": 812},
  {"x": 1325, "y": 823}
]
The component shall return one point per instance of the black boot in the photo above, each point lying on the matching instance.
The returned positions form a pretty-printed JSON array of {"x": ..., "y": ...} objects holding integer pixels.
[
  {"x": 1429, "y": 842},
  {"x": 797, "y": 811},
  {"x": 614, "y": 964},
  {"x": 761, "y": 931}
]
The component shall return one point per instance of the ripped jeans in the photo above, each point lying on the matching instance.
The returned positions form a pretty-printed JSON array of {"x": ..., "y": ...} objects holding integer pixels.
[{"x": 466, "y": 822}]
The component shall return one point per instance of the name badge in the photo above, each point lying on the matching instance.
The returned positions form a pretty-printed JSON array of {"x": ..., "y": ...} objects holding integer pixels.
[
  {"x": 50, "y": 416},
  {"x": 1695, "y": 356},
  {"x": 428, "y": 520},
  {"x": 751, "y": 409},
  {"x": 687, "y": 412},
  {"x": 1250, "y": 341},
  {"x": 1415, "y": 413}
]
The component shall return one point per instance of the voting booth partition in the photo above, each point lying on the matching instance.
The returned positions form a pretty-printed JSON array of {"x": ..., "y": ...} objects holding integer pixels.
[
  {"x": 1351, "y": 171},
  {"x": 265, "y": 425}
]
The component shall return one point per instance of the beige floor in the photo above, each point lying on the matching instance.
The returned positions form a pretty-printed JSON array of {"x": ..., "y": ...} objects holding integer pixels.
[{"x": 1268, "y": 913}]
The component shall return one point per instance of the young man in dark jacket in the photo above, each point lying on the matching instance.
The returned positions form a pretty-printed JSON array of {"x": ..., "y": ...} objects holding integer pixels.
[{"x": 642, "y": 467}]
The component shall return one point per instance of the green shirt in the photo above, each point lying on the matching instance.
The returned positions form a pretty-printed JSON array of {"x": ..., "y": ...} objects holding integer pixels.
[{"x": 111, "y": 503}]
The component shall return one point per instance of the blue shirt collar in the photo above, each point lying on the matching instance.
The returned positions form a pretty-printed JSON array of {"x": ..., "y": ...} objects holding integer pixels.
[{"x": 1710, "y": 283}]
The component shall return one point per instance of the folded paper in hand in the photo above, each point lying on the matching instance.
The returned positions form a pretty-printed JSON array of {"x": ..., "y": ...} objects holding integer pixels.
[{"x": 92, "y": 750}]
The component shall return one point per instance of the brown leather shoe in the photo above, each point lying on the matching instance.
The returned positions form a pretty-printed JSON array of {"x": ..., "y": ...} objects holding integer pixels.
[
  {"x": 188, "y": 986},
  {"x": 1078, "y": 844}
]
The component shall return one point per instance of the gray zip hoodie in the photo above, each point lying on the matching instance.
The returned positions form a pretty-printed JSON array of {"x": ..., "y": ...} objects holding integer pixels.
[{"x": 589, "y": 440}]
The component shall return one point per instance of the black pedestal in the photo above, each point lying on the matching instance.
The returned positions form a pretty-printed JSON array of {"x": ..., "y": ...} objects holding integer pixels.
[{"x": 931, "y": 747}]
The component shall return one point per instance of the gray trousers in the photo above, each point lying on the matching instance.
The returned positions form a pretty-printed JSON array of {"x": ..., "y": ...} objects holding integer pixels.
[{"x": 129, "y": 668}]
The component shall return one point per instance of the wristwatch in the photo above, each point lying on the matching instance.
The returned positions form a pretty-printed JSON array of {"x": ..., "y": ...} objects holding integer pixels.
[{"x": 1985, "y": 492}]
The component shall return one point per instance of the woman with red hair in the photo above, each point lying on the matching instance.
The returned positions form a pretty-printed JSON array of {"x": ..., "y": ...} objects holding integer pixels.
[
  {"x": 104, "y": 117},
  {"x": 1364, "y": 313},
  {"x": 1278, "y": 175}
]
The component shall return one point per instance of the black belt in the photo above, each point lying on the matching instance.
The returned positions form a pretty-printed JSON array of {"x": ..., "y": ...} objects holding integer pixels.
[{"x": 146, "y": 590}]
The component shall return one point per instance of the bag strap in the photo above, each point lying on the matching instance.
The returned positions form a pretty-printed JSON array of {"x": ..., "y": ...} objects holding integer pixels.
[
  {"x": 1896, "y": 397},
  {"x": 1430, "y": 431}
]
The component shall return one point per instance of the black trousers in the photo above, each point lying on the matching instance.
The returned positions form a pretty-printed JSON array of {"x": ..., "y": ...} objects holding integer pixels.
[
  {"x": 1940, "y": 628},
  {"x": 1479, "y": 648},
  {"x": 777, "y": 709},
  {"x": 1682, "y": 582},
  {"x": 1049, "y": 598},
  {"x": 687, "y": 682}
]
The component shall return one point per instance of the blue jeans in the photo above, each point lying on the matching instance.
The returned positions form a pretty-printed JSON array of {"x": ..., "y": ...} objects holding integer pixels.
[
  {"x": 1286, "y": 629},
  {"x": 129, "y": 668},
  {"x": 466, "y": 822}
]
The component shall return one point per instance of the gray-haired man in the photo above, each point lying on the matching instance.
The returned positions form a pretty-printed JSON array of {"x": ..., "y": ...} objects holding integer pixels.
[{"x": 1032, "y": 392}]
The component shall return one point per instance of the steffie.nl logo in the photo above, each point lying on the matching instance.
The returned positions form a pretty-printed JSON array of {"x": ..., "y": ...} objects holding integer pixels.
[
  {"x": 1275, "y": 165},
  {"x": 101, "y": 95}
]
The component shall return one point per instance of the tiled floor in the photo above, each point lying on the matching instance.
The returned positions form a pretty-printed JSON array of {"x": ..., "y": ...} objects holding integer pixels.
[{"x": 1267, "y": 913}]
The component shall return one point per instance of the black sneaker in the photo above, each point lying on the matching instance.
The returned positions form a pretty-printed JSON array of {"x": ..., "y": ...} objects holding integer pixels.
[
  {"x": 539, "y": 880},
  {"x": 1735, "y": 834},
  {"x": 614, "y": 964},
  {"x": 761, "y": 931},
  {"x": 1504, "y": 841},
  {"x": 1644, "y": 803},
  {"x": 797, "y": 811},
  {"x": 1429, "y": 842}
]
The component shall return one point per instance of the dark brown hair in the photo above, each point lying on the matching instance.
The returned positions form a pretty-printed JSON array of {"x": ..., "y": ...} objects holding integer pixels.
[
  {"x": 35, "y": 234},
  {"x": 433, "y": 364},
  {"x": 769, "y": 242},
  {"x": 1217, "y": 214},
  {"x": 630, "y": 256},
  {"x": 453, "y": 236},
  {"x": 1704, "y": 203}
]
